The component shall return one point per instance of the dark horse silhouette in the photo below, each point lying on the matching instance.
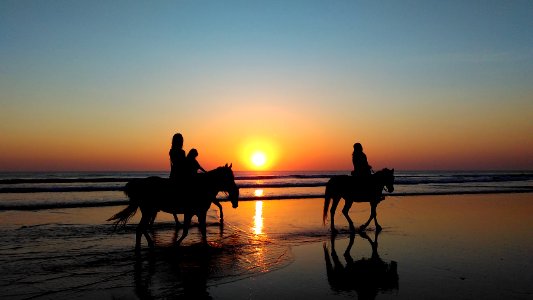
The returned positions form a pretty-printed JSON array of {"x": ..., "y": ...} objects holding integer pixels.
[
  {"x": 353, "y": 189},
  {"x": 153, "y": 194},
  {"x": 366, "y": 276}
]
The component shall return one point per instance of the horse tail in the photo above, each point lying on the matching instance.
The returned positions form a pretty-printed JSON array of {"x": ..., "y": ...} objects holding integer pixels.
[
  {"x": 327, "y": 200},
  {"x": 123, "y": 216}
]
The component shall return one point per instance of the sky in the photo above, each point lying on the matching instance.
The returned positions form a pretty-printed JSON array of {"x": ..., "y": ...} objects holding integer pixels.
[{"x": 422, "y": 85}]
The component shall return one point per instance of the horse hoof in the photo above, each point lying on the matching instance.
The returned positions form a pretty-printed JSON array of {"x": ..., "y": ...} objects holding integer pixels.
[
  {"x": 334, "y": 231},
  {"x": 362, "y": 228},
  {"x": 378, "y": 228}
]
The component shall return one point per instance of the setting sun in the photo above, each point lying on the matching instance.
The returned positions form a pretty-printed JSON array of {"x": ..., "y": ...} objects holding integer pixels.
[
  {"x": 259, "y": 154},
  {"x": 259, "y": 159}
]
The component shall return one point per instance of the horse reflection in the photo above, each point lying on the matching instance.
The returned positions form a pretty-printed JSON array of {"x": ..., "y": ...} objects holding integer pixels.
[
  {"x": 173, "y": 273},
  {"x": 366, "y": 276}
]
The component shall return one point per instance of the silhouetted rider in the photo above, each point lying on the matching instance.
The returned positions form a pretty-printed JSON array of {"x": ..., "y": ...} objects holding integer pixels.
[
  {"x": 178, "y": 161},
  {"x": 192, "y": 164},
  {"x": 360, "y": 163}
]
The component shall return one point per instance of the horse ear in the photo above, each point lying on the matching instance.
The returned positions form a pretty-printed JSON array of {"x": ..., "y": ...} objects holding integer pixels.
[
  {"x": 230, "y": 165},
  {"x": 226, "y": 165}
]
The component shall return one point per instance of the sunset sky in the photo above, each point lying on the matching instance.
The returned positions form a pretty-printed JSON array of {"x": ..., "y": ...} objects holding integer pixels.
[{"x": 423, "y": 85}]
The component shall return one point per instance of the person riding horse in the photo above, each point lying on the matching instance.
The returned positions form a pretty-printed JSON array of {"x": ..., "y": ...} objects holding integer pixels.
[
  {"x": 181, "y": 173},
  {"x": 178, "y": 161},
  {"x": 360, "y": 162},
  {"x": 193, "y": 166},
  {"x": 362, "y": 171},
  {"x": 183, "y": 168}
]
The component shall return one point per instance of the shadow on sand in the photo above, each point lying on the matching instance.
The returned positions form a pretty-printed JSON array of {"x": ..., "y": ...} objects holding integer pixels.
[{"x": 367, "y": 276}]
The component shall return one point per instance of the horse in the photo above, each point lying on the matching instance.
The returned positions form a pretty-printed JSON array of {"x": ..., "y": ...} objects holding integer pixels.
[
  {"x": 153, "y": 194},
  {"x": 354, "y": 189}
]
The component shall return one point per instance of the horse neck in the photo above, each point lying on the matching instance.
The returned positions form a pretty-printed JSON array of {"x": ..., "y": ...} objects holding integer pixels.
[
  {"x": 379, "y": 179},
  {"x": 212, "y": 180}
]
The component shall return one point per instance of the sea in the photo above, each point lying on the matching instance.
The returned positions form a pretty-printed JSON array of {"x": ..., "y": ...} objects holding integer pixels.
[{"x": 40, "y": 190}]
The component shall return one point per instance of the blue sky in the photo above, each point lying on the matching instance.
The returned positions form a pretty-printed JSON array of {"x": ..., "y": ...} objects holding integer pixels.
[{"x": 450, "y": 65}]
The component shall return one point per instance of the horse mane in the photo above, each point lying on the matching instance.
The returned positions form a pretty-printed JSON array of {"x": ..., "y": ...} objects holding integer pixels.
[
  {"x": 218, "y": 169},
  {"x": 384, "y": 170}
]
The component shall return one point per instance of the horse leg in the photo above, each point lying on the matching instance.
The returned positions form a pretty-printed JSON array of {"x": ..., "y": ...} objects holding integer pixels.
[
  {"x": 373, "y": 215},
  {"x": 186, "y": 223},
  {"x": 142, "y": 230},
  {"x": 203, "y": 226},
  {"x": 363, "y": 226},
  {"x": 220, "y": 210},
  {"x": 345, "y": 210},
  {"x": 153, "y": 219},
  {"x": 332, "y": 213},
  {"x": 178, "y": 224}
]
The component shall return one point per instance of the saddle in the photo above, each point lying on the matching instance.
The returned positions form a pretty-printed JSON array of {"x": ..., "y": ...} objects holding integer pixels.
[
  {"x": 362, "y": 185},
  {"x": 185, "y": 186}
]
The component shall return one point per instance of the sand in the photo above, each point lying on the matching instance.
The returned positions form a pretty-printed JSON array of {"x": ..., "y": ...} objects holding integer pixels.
[{"x": 431, "y": 247}]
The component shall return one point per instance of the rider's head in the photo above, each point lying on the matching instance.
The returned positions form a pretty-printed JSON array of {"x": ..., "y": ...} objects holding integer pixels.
[
  {"x": 177, "y": 141},
  {"x": 357, "y": 147},
  {"x": 193, "y": 153}
]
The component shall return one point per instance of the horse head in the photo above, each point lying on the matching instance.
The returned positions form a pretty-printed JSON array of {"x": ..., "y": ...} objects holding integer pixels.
[{"x": 227, "y": 184}]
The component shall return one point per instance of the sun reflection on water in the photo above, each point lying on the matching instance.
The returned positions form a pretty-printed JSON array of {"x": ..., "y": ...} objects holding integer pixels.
[
  {"x": 258, "y": 218},
  {"x": 258, "y": 193}
]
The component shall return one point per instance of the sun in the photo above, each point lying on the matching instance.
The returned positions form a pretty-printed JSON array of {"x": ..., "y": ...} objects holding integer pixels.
[
  {"x": 259, "y": 154},
  {"x": 259, "y": 159}
]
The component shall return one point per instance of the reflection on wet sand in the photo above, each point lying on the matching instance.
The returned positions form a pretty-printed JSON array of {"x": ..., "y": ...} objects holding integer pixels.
[
  {"x": 258, "y": 218},
  {"x": 258, "y": 240},
  {"x": 173, "y": 273},
  {"x": 189, "y": 270},
  {"x": 366, "y": 276}
]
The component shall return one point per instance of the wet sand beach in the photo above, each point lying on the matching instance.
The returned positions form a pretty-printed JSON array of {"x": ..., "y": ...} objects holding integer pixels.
[{"x": 431, "y": 247}]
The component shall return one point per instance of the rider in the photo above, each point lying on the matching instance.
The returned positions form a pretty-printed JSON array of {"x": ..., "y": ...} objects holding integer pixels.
[
  {"x": 192, "y": 164},
  {"x": 178, "y": 162},
  {"x": 361, "y": 168}
]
